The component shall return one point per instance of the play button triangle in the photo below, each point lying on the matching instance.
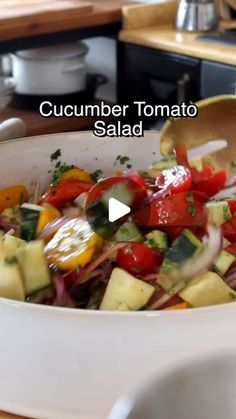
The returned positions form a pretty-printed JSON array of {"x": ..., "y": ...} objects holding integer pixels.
[{"x": 117, "y": 210}]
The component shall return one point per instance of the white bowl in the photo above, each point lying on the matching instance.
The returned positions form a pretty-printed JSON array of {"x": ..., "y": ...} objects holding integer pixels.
[
  {"x": 202, "y": 389},
  {"x": 60, "y": 363}
]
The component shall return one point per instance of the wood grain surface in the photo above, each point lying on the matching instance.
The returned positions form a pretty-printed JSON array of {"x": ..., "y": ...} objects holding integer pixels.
[{"x": 24, "y": 24}]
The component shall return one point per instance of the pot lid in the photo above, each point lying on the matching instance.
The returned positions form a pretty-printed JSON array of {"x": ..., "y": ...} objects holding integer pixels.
[{"x": 55, "y": 52}]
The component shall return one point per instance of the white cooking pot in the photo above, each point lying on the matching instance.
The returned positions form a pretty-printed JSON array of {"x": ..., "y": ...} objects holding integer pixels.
[{"x": 54, "y": 70}]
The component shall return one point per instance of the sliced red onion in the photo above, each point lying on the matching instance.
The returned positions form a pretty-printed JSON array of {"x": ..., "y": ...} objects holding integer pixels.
[
  {"x": 7, "y": 226},
  {"x": 225, "y": 193},
  {"x": 230, "y": 278},
  {"x": 80, "y": 201},
  {"x": 63, "y": 299},
  {"x": 161, "y": 194},
  {"x": 150, "y": 277},
  {"x": 202, "y": 261},
  {"x": 85, "y": 274},
  {"x": 194, "y": 266}
]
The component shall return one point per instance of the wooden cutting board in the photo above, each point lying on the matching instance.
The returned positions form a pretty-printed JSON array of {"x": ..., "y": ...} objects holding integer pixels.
[{"x": 38, "y": 11}]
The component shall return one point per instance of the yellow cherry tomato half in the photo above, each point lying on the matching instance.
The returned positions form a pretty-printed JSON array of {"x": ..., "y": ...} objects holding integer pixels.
[
  {"x": 76, "y": 174},
  {"x": 73, "y": 245},
  {"x": 47, "y": 215}
]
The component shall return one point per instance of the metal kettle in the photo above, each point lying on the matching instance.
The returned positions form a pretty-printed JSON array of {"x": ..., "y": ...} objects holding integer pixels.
[{"x": 196, "y": 15}]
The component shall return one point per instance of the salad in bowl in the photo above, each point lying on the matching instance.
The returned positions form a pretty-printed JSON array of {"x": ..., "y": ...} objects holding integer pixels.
[{"x": 176, "y": 249}]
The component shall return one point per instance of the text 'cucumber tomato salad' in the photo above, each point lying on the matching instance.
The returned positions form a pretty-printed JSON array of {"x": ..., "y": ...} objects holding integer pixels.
[{"x": 175, "y": 250}]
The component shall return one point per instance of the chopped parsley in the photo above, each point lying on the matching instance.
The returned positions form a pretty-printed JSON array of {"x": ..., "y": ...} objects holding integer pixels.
[
  {"x": 122, "y": 159},
  {"x": 56, "y": 154},
  {"x": 96, "y": 175},
  {"x": 191, "y": 208},
  {"x": 225, "y": 213},
  {"x": 233, "y": 163},
  {"x": 129, "y": 166},
  {"x": 60, "y": 168}
]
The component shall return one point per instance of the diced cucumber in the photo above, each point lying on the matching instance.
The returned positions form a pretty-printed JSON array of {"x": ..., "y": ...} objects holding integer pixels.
[
  {"x": 13, "y": 214},
  {"x": 206, "y": 290},
  {"x": 12, "y": 244},
  {"x": 34, "y": 266},
  {"x": 218, "y": 212},
  {"x": 118, "y": 191},
  {"x": 11, "y": 282},
  {"x": 129, "y": 232},
  {"x": 184, "y": 247},
  {"x": 30, "y": 215},
  {"x": 157, "y": 239},
  {"x": 124, "y": 292},
  {"x": 223, "y": 262},
  {"x": 166, "y": 163}
]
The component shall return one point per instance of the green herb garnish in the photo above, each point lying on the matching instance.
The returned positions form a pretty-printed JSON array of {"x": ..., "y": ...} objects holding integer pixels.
[
  {"x": 129, "y": 166},
  {"x": 192, "y": 209},
  {"x": 122, "y": 159},
  {"x": 96, "y": 175},
  {"x": 56, "y": 154},
  {"x": 233, "y": 163},
  {"x": 58, "y": 172},
  {"x": 225, "y": 213}
]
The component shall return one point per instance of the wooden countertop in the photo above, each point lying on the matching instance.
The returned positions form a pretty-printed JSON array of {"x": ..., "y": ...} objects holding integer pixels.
[
  {"x": 103, "y": 12},
  {"x": 161, "y": 35}
]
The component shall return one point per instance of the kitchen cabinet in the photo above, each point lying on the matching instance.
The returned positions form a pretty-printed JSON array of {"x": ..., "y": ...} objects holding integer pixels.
[
  {"x": 157, "y": 77},
  {"x": 217, "y": 79}
]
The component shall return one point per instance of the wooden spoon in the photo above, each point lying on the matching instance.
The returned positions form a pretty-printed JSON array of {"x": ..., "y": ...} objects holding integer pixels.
[{"x": 216, "y": 120}]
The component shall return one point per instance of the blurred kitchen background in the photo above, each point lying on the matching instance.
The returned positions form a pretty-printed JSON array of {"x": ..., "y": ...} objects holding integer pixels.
[{"x": 79, "y": 51}]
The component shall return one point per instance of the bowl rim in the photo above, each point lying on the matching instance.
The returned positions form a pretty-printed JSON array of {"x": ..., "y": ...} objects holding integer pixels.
[{"x": 8, "y": 303}]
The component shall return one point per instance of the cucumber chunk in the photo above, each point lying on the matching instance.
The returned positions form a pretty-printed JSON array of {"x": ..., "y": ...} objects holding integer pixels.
[
  {"x": 129, "y": 232},
  {"x": 206, "y": 290},
  {"x": 119, "y": 191},
  {"x": 34, "y": 266},
  {"x": 223, "y": 262},
  {"x": 12, "y": 244},
  {"x": 30, "y": 216},
  {"x": 124, "y": 292},
  {"x": 11, "y": 282},
  {"x": 157, "y": 239},
  {"x": 184, "y": 247},
  {"x": 218, "y": 212}
]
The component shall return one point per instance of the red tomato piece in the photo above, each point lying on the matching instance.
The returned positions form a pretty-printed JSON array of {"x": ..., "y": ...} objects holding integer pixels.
[
  {"x": 229, "y": 229},
  {"x": 138, "y": 258},
  {"x": 181, "y": 155},
  {"x": 204, "y": 174},
  {"x": 231, "y": 249},
  {"x": 174, "y": 232},
  {"x": 213, "y": 184},
  {"x": 135, "y": 177},
  {"x": 179, "y": 210},
  {"x": 232, "y": 205},
  {"x": 177, "y": 179},
  {"x": 65, "y": 192}
]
